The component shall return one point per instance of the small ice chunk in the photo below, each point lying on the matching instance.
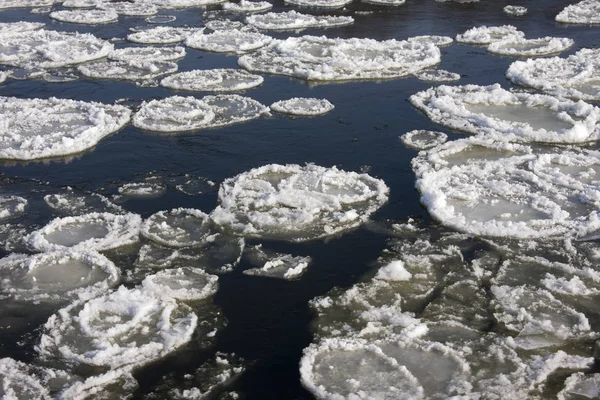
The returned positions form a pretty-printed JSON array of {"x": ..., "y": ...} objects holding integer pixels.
[
  {"x": 183, "y": 3},
  {"x": 59, "y": 76},
  {"x": 292, "y": 20},
  {"x": 142, "y": 189},
  {"x": 246, "y": 6},
  {"x": 394, "y": 271},
  {"x": 303, "y": 106},
  {"x": 98, "y": 231},
  {"x": 11, "y": 206},
  {"x": 422, "y": 139},
  {"x": 225, "y": 25},
  {"x": 89, "y": 17},
  {"x": 484, "y": 35},
  {"x": 180, "y": 227},
  {"x": 128, "y": 327},
  {"x": 127, "y": 70},
  {"x": 319, "y": 3},
  {"x": 584, "y": 12},
  {"x": 162, "y": 35},
  {"x": 184, "y": 284},
  {"x": 515, "y": 10},
  {"x": 213, "y": 80},
  {"x": 275, "y": 265},
  {"x": 437, "y": 75},
  {"x": 3, "y": 76},
  {"x": 581, "y": 386},
  {"x": 130, "y": 9},
  {"x": 147, "y": 54},
  {"x": 228, "y": 41},
  {"x": 530, "y": 47}
]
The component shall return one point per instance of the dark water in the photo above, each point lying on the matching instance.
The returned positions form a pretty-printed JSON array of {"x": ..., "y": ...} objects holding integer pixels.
[{"x": 268, "y": 319}]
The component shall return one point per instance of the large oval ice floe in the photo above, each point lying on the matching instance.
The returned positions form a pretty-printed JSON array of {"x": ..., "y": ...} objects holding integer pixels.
[
  {"x": 90, "y": 17},
  {"x": 176, "y": 113},
  {"x": 51, "y": 49},
  {"x": 148, "y": 53},
  {"x": 303, "y": 106},
  {"x": 97, "y": 231},
  {"x": 184, "y": 283},
  {"x": 228, "y": 41},
  {"x": 245, "y": 6},
  {"x": 503, "y": 115},
  {"x": 484, "y": 35},
  {"x": 127, "y": 70},
  {"x": 297, "y": 203},
  {"x": 162, "y": 35},
  {"x": 213, "y": 80},
  {"x": 36, "y": 128},
  {"x": 56, "y": 276},
  {"x": 530, "y": 47},
  {"x": 584, "y": 12},
  {"x": 321, "y": 58},
  {"x": 319, "y": 3},
  {"x": 130, "y": 9},
  {"x": 577, "y": 76},
  {"x": 295, "y": 20},
  {"x": 181, "y": 227},
  {"x": 128, "y": 327}
]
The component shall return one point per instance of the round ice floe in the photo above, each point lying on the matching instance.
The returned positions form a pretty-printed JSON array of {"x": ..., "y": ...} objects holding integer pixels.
[
  {"x": 161, "y": 19},
  {"x": 245, "y": 6},
  {"x": 148, "y": 54},
  {"x": 11, "y": 206},
  {"x": 127, "y": 70},
  {"x": 36, "y": 128},
  {"x": 183, "y": 3},
  {"x": 303, "y": 106},
  {"x": 56, "y": 276},
  {"x": 125, "y": 327},
  {"x": 584, "y": 12},
  {"x": 19, "y": 381},
  {"x": 515, "y": 10},
  {"x": 182, "y": 283},
  {"x": 51, "y": 49},
  {"x": 295, "y": 20},
  {"x": 423, "y": 139},
  {"x": 225, "y": 25},
  {"x": 437, "y": 75},
  {"x": 228, "y": 41},
  {"x": 130, "y": 9},
  {"x": 297, "y": 203},
  {"x": 491, "y": 34},
  {"x": 321, "y": 58},
  {"x": 181, "y": 227},
  {"x": 81, "y": 3},
  {"x": 503, "y": 115},
  {"x": 213, "y": 80},
  {"x": 436, "y": 40},
  {"x": 162, "y": 35},
  {"x": 26, "y": 3},
  {"x": 530, "y": 47},
  {"x": 319, "y": 3},
  {"x": 174, "y": 114},
  {"x": 385, "y": 2},
  {"x": 90, "y": 17},
  {"x": 10, "y": 28},
  {"x": 581, "y": 386},
  {"x": 577, "y": 76},
  {"x": 98, "y": 231}
]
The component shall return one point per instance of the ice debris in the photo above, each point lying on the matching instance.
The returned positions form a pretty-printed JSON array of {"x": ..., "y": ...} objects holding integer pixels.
[
  {"x": 275, "y": 265},
  {"x": 246, "y": 6},
  {"x": 162, "y": 35},
  {"x": 180, "y": 227},
  {"x": 436, "y": 75},
  {"x": 186, "y": 284},
  {"x": 515, "y": 10}
]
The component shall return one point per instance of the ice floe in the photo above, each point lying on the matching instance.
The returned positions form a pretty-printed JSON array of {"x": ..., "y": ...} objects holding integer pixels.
[
  {"x": 321, "y": 58},
  {"x": 436, "y": 75},
  {"x": 385, "y": 2},
  {"x": 26, "y": 3},
  {"x": 581, "y": 386},
  {"x": 3, "y": 76},
  {"x": 185, "y": 283},
  {"x": 515, "y": 10},
  {"x": 176, "y": 113},
  {"x": 303, "y": 106},
  {"x": 130, "y": 9},
  {"x": 98, "y": 231},
  {"x": 51, "y": 49},
  {"x": 81, "y": 3},
  {"x": 161, "y": 19},
  {"x": 142, "y": 189},
  {"x": 37, "y": 128},
  {"x": 297, "y": 203},
  {"x": 226, "y": 25},
  {"x": 56, "y": 276},
  {"x": 503, "y": 115},
  {"x": 147, "y": 54},
  {"x": 127, "y": 70},
  {"x": 275, "y": 265},
  {"x": 10, "y": 28},
  {"x": 484, "y": 35},
  {"x": 11, "y": 206},
  {"x": 228, "y": 41},
  {"x": 91, "y": 17},
  {"x": 530, "y": 47},
  {"x": 584, "y": 12},
  {"x": 422, "y": 139},
  {"x": 295, "y": 20},
  {"x": 433, "y": 39},
  {"x": 246, "y": 6},
  {"x": 577, "y": 76},
  {"x": 114, "y": 383},
  {"x": 74, "y": 202},
  {"x": 181, "y": 227},
  {"x": 319, "y": 3},
  {"x": 182, "y": 3},
  {"x": 128, "y": 327},
  {"x": 213, "y": 80},
  {"x": 19, "y": 380},
  {"x": 162, "y": 35}
]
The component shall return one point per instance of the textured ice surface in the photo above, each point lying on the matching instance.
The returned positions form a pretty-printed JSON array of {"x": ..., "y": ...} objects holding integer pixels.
[
  {"x": 9, "y": 28},
  {"x": 515, "y": 10},
  {"x": 580, "y": 386},
  {"x": 127, "y": 70},
  {"x": 19, "y": 380},
  {"x": 142, "y": 189},
  {"x": 530, "y": 47},
  {"x": 319, "y": 3},
  {"x": 91, "y": 17},
  {"x": 297, "y": 203},
  {"x": 437, "y": 75},
  {"x": 484, "y": 35},
  {"x": 181, "y": 227},
  {"x": 26, "y": 3},
  {"x": 161, "y": 19},
  {"x": 116, "y": 383},
  {"x": 36, "y": 128},
  {"x": 185, "y": 283},
  {"x": 503, "y": 115},
  {"x": 321, "y": 58},
  {"x": 148, "y": 54},
  {"x": 295, "y": 20},
  {"x": 72, "y": 202},
  {"x": 228, "y": 41},
  {"x": 130, "y": 9},
  {"x": 275, "y": 265},
  {"x": 3, "y": 76},
  {"x": 246, "y": 6},
  {"x": 181, "y": 3},
  {"x": 436, "y": 40},
  {"x": 56, "y": 276},
  {"x": 213, "y": 80},
  {"x": 128, "y": 327},
  {"x": 226, "y": 25},
  {"x": 175, "y": 114},
  {"x": 385, "y": 2},
  {"x": 422, "y": 139},
  {"x": 584, "y": 12},
  {"x": 162, "y": 35},
  {"x": 303, "y": 106},
  {"x": 577, "y": 76},
  {"x": 51, "y": 49},
  {"x": 81, "y": 3},
  {"x": 11, "y": 206},
  {"x": 98, "y": 231}
]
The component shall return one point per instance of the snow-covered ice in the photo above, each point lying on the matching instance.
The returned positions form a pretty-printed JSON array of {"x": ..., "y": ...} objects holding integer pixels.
[
  {"x": 12, "y": 206},
  {"x": 10, "y": 28},
  {"x": 148, "y": 53},
  {"x": 484, "y": 35},
  {"x": 422, "y": 139},
  {"x": 81, "y": 3},
  {"x": 180, "y": 227},
  {"x": 226, "y": 25},
  {"x": 515, "y": 10},
  {"x": 246, "y": 6},
  {"x": 184, "y": 284},
  {"x": 161, "y": 19},
  {"x": 19, "y": 380},
  {"x": 228, "y": 41},
  {"x": 130, "y": 9},
  {"x": 581, "y": 386},
  {"x": 303, "y": 106},
  {"x": 318, "y": 3},
  {"x": 127, "y": 70},
  {"x": 293, "y": 20},
  {"x": 162, "y": 35},
  {"x": 433, "y": 39},
  {"x": 385, "y": 2},
  {"x": 213, "y": 80},
  {"x": 584, "y": 12},
  {"x": 436, "y": 75},
  {"x": 81, "y": 16},
  {"x": 530, "y": 47},
  {"x": 75, "y": 202},
  {"x": 182, "y": 3},
  {"x": 26, "y": 3}
]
